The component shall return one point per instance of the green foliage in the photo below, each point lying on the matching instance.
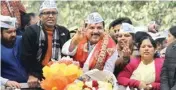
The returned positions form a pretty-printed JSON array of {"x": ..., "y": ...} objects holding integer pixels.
[{"x": 72, "y": 13}]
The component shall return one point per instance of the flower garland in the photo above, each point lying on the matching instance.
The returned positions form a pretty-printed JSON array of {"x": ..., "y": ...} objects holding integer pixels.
[{"x": 99, "y": 65}]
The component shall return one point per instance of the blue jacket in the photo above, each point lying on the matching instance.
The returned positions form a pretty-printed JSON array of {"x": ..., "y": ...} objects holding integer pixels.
[{"x": 11, "y": 67}]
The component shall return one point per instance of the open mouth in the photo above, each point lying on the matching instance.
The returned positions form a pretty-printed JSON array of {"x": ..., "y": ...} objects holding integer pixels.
[
  {"x": 96, "y": 34},
  {"x": 146, "y": 53},
  {"x": 50, "y": 21}
]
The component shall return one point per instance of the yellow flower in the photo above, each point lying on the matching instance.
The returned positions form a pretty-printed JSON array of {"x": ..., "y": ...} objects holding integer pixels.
[
  {"x": 80, "y": 84},
  {"x": 74, "y": 87},
  {"x": 59, "y": 75},
  {"x": 58, "y": 67},
  {"x": 72, "y": 69},
  {"x": 54, "y": 88},
  {"x": 46, "y": 72}
]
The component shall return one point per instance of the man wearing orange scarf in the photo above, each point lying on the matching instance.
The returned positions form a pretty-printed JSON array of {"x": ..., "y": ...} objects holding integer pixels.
[{"x": 91, "y": 46}]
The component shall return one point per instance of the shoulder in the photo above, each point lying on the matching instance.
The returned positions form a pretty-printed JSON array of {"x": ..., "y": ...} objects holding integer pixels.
[
  {"x": 18, "y": 38},
  {"x": 32, "y": 28},
  {"x": 134, "y": 62},
  {"x": 32, "y": 31},
  {"x": 62, "y": 28},
  {"x": 159, "y": 62},
  {"x": 171, "y": 50},
  {"x": 159, "y": 59},
  {"x": 171, "y": 46}
]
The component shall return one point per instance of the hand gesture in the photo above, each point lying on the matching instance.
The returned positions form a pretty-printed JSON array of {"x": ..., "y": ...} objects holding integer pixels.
[
  {"x": 126, "y": 49},
  {"x": 78, "y": 36}
]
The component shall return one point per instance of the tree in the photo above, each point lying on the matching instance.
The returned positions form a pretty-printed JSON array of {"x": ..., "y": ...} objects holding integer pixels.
[{"x": 72, "y": 13}]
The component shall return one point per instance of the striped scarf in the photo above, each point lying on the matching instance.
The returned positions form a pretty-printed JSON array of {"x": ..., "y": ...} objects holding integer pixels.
[{"x": 56, "y": 53}]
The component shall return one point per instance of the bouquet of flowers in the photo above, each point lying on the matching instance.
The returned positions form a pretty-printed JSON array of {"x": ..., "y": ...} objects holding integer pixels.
[
  {"x": 94, "y": 80},
  {"x": 90, "y": 85},
  {"x": 60, "y": 73}
]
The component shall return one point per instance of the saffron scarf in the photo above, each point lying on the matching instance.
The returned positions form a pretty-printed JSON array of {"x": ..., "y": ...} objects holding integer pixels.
[{"x": 102, "y": 51}]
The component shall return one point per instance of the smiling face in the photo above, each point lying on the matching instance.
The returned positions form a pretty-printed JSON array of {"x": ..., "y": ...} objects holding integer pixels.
[
  {"x": 114, "y": 31},
  {"x": 94, "y": 32},
  {"x": 48, "y": 17},
  {"x": 125, "y": 38},
  {"x": 146, "y": 49}
]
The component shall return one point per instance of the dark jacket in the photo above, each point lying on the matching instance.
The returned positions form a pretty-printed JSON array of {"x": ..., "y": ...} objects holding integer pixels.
[
  {"x": 30, "y": 46},
  {"x": 168, "y": 74}
]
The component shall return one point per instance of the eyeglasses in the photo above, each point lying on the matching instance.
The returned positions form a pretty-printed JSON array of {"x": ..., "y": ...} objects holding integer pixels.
[{"x": 48, "y": 13}]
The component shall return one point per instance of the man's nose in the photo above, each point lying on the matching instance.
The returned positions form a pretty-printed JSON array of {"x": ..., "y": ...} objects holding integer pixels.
[
  {"x": 50, "y": 15},
  {"x": 95, "y": 30}
]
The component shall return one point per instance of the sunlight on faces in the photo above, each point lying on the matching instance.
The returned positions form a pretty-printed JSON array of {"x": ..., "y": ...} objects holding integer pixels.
[
  {"x": 170, "y": 38},
  {"x": 124, "y": 38},
  {"x": 146, "y": 49},
  {"x": 48, "y": 17},
  {"x": 94, "y": 32}
]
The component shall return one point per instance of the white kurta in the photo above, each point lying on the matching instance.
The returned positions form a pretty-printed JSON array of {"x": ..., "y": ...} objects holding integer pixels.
[
  {"x": 109, "y": 65},
  {"x": 3, "y": 81},
  {"x": 145, "y": 73}
]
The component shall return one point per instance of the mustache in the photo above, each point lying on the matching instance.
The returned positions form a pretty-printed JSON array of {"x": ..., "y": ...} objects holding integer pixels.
[
  {"x": 98, "y": 34},
  {"x": 50, "y": 19}
]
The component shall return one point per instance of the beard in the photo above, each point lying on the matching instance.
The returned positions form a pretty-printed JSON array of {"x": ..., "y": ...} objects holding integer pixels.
[{"x": 9, "y": 43}]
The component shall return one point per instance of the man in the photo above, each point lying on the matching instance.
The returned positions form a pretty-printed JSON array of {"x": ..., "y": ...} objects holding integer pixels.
[
  {"x": 91, "y": 46},
  {"x": 12, "y": 72},
  {"x": 115, "y": 25},
  {"x": 42, "y": 42},
  {"x": 168, "y": 72},
  {"x": 27, "y": 20}
]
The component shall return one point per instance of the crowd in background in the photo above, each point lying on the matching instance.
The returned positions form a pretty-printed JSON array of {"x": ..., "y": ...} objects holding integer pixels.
[{"x": 139, "y": 59}]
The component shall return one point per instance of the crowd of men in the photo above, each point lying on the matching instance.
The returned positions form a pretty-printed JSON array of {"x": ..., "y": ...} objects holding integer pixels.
[{"x": 142, "y": 60}]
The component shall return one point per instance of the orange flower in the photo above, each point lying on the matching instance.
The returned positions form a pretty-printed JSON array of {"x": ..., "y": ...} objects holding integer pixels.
[
  {"x": 59, "y": 82},
  {"x": 58, "y": 75}
]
